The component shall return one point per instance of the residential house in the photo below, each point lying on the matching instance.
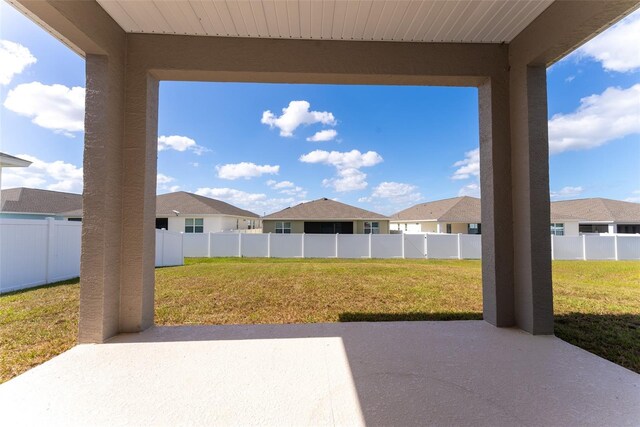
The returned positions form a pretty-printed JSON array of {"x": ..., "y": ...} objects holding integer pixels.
[
  {"x": 325, "y": 216},
  {"x": 33, "y": 203},
  {"x": 192, "y": 213},
  {"x": 568, "y": 217}
]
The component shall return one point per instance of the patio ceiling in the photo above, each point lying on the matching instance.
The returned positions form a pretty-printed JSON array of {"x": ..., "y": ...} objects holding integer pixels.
[{"x": 490, "y": 21}]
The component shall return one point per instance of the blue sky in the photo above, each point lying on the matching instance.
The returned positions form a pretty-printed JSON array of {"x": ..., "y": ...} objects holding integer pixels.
[{"x": 379, "y": 147}]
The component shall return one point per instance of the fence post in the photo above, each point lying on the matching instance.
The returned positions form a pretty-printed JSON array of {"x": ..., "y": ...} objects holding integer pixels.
[
  {"x": 403, "y": 243},
  {"x": 370, "y": 253},
  {"x": 182, "y": 248},
  {"x": 337, "y": 244},
  {"x": 459, "y": 248},
  {"x": 426, "y": 245},
  {"x": 552, "y": 247},
  {"x": 584, "y": 247},
  {"x": 50, "y": 250},
  {"x": 302, "y": 245},
  {"x": 239, "y": 245},
  {"x": 269, "y": 245},
  {"x": 615, "y": 246},
  {"x": 161, "y": 248}
]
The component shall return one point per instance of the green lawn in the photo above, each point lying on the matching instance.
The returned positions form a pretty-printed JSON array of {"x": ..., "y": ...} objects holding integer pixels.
[{"x": 597, "y": 303}]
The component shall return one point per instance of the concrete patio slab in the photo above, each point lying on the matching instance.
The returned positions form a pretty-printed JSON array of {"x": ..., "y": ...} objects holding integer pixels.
[{"x": 396, "y": 373}]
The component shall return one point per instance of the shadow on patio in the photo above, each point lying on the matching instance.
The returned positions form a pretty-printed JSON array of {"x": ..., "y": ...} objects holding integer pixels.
[{"x": 402, "y": 373}]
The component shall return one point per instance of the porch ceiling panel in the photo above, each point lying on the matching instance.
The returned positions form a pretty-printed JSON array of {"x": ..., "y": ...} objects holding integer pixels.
[{"x": 453, "y": 21}]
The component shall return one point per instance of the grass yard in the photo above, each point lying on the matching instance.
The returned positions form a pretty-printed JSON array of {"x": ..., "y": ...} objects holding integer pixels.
[{"x": 597, "y": 303}]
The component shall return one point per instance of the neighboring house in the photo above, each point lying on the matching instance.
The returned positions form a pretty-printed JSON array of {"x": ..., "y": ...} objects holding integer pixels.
[
  {"x": 325, "y": 216},
  {"x": 191, "y": 213},
  {"x": 598, "y": 215},
  {"x": 456, "y": 215},
  {"x": 568, "y": 217},
  {"x": 9, "y": 161},
  {"x": 32, "y": 203}
]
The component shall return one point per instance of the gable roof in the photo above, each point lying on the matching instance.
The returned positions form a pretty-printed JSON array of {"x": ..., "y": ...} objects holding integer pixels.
[
  {"x": 598, "y": 209},
  {"x": 456, "y": 209},
  {"x": 32, "y": 200},
  {"x": 194, "y": 204},
  {"x": 467, "y": 209},
  {"x": 324, "y": 209}
]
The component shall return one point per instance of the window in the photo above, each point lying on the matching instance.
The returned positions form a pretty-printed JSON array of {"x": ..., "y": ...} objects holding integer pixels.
[
  {"x": 474, "y": 229},
  {"x": 194, "y": 225},
  {"x": 448, "y": 228},
  {"x": 593, "y": 228},
  {"x": 283, "y": 227},
  {"x": 371, "y": 227},
  {"x": 557, "y": 229}
]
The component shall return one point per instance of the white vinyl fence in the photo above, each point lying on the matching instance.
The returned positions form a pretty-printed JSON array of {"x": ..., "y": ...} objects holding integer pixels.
[
  {"x": 414, "y": 245},
  {"x": 37, "y": 252},
  {"x": 332, "y": 245}
]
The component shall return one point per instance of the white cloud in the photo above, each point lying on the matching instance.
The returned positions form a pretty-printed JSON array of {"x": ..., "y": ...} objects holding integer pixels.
[
  {"x": 245, "y": 170},
  {"x": 255, "y": 202},
  {"x": 600, "y": 119},
  {"x": 296, "y": 114},
  {"x": 566, "y": 192},
  {"x": 472, "y": 190},
  {"x": 349, "y": 176},
  {"x": 164, "y": 179},
  {"x": 323, "y": 135},
  {"x": 14, "y": 59},
  {"x": 162, "y": 184},
  {"x": 342, "y": 160},
  {"x": 287, "y": 188},
  {"x": 180, "y": 143},
  {"x": 635, "y": 198},
  {"x": 469, "y": 166},
  {"x": 54, "y": 107},
  {"x": 57, "y": 175},
  {"x": 397, "y": 193},
  {"x": 615, "y": 48}
]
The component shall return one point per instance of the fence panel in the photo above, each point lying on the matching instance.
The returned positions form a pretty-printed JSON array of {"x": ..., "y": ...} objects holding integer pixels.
[
  {"x": 628, "y": 247},
  {"x": 66, "y": 244},
  {"x": 196, "y": 244},
  {"x": 386, "y": 246},
  {"x": 320, "y": 245},
  {"x": 353, "y": 246},
  {"x": 169, "y": 248},
  {"x": 255, "y": 245},
  {"x": 600, "y": 247},
  {"x": 567, "y": 247},
  {"x": 442, "y": 246},
  {"x": 286, "y": 245},
  {"x": 470, "y": 246},
  {"x": 225, "y": 244},
  {"x": 23, "y": 254},
  {"x": 414, "y": 246}
]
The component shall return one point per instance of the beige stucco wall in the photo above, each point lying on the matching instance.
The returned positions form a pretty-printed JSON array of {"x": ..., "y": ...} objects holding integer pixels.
[{"x": 269, "y": 226}]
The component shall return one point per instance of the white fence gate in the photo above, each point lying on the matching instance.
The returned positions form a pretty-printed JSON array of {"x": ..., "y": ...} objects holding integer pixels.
[{"x": 37, "y": 252}]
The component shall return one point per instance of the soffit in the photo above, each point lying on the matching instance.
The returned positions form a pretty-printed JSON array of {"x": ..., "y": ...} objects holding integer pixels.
[{"x": 449, "y": 21}]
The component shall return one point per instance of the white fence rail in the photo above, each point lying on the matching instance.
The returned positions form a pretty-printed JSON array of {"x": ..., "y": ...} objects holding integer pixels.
[{"x": 37, "y": 252}]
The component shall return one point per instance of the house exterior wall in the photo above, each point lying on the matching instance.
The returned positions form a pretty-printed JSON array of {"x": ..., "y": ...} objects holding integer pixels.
[
  {"x": 571, "y": 228},
  {"x": 269, "y": 226},
  {"x": 212, "y": 223}
]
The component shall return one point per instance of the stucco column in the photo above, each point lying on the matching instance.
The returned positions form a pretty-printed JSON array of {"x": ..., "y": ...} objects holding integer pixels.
[
  {"x": 102, "y": 202},
  {"x": 495, "y": 182},
  {"x": 533, "y": 297},
  {"x": 139, "y": 201}
]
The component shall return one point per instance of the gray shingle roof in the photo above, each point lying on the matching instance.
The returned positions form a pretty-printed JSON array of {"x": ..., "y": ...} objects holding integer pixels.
[
  {"x": 467, "y": 209},
  {"x": 189, "y": 203},
  {"x": 32, "y": 200},
  {"x": 598, "y": 209},
  {"x": 457, "y": 209},
  {"x": 324, "y": 209}
]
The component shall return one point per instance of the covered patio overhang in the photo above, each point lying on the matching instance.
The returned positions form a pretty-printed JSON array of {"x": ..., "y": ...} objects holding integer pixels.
[{"x": 501, "y": 47}]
